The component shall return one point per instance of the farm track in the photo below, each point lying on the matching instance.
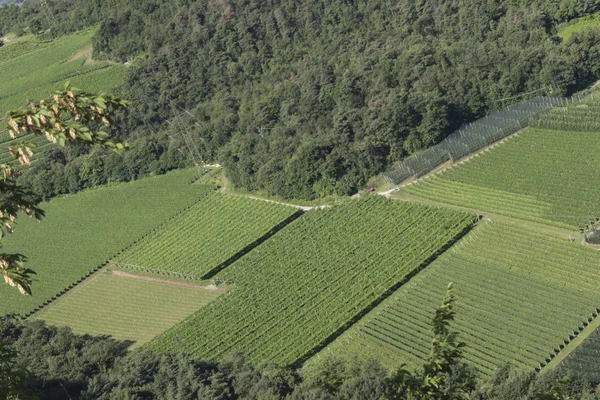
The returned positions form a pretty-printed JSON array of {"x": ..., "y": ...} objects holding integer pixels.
[{"x": 212, "y": 288}]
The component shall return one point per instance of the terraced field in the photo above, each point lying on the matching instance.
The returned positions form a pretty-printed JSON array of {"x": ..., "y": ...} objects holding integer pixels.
[
  {"x": 83, "y": 230},
  {"x": 310, "y": 281},
  {"x": 126, "y": 308},
  {"x": 32, "y": 70},
  {"x": 546, "y": 176},
  {"x": 520, "y": 296},
  {"x": 206, "y": 236}
]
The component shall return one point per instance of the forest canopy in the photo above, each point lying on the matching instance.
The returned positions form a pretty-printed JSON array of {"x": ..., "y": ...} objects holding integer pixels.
[{"x": 307, "y": 99}]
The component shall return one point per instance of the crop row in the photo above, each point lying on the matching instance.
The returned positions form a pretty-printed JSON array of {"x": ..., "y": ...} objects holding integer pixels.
[
  {"x": 584, "y": 358},
  {"x": 208, "y": 235},
  {"x": 125, "y": 308},
  {"x": 517, "y": 301},
  {"x": 81, "y": 232},
  {"x": 312, "y": 280},
  {"x": 544, "y": 176}
]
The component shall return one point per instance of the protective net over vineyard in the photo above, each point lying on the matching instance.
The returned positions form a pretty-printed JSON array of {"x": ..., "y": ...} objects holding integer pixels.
[
  {"x": 584, "y": 358},
  {"x": 577, "y": 116},
  {"x": 473, "y": 137},
  {"x": 522, "y": 295},
  {"x": 546, "y": 176},
  {"x": 310, "y": 281}
]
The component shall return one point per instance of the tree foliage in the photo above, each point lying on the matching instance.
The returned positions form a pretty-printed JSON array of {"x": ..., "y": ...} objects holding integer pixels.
[
  {"x": 39, "y": 361},
  {"x": 443, "y": 376},
  {"x": 309, "y": 99},
  {"x": 65, "y": 118}
]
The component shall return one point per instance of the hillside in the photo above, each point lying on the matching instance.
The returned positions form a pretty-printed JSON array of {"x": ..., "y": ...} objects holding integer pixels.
[
  {"x": 34, "y": 68},
  {"x": 475, "y": 126},
  {"x": 83, "y": 231},
  {"x": 544, "y": 174},
  {"x": 308, "y": 100},
  {"x": 518, "y": 301},
  {"x": 309, "y": 282}
]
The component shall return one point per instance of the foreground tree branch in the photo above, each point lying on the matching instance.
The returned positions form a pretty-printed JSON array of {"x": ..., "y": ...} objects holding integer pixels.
[{"x": 67, "y": 117}]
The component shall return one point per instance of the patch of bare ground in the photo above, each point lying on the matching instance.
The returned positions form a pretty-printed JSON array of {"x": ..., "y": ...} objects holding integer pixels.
[
  {"x": 213, "y": 288},
  {"x": 85, "y": 54}
]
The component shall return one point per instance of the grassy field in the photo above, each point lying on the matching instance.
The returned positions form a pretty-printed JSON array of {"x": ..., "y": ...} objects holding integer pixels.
[
  {"x": 545, "y": 176},
  {"x": 309, "y": 281},
  {"x": 520, "y": 295},
  {"x": 83, "y": 230},
  {"x": 577, "y": 25},
  {"x": 125, "y": 308},
  {"x": 207, "y": 235},
  {"x": 32, "y": 69}
]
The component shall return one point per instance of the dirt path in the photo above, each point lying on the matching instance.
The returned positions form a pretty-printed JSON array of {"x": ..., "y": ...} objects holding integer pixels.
[
  {"x": 303, "y": 208},
  {"x": 176, "y": 283}
]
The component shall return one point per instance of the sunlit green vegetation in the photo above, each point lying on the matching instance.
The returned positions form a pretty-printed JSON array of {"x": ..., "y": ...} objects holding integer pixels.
[
  {"x": 81, "y": 231},
  {"x": 310, "y": 280},
  {"x": 541, "y": 175},
  {"x": 584, "y": 358},
  {"x": 207, "y": 235},
  {"x": 521, "y": 294},
  {"x": 577, "y": 25},
  {"x": 126, "y": 308},
  {"x": 32, "y": 69}
]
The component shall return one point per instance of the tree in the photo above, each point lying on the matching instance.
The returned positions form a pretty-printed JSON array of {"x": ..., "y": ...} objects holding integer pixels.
[
  {"x": 443, "y": 376},
  {"x": 11, "y": 375},
  {"x": 68, "y": 117}
]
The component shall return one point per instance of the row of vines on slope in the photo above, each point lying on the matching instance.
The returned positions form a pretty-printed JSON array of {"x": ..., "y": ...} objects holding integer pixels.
[
  {"x": 204, "y": 238},
  {"x": 540, "y": 175},
  {"x": 522, "y": 296},
  {"x": 311, "y": 281}
]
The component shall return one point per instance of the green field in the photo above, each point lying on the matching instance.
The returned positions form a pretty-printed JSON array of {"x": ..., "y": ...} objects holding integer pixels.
[
  {"x": 207, "y": 235},
  {"x": 545, "y": 176},
  {"x": 309, "y": 281},
  {"x": 574, "y": 116},
  {"x": 125, "y": 308},
  {"x": 520, "y": 295},
  {"x": 584, "y": 359},
  {"x": 31, "y": 69},
  {"x": 577, "y": 25},
  {"x": 83, "y": 230}
]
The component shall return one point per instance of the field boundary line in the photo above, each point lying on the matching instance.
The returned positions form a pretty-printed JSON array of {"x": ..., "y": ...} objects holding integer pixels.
[
  {"x": 66, "y": 295},
  {"x": 77, "y": 282},
  {"x": 566, "y": 351},
  {"x": 303, "y": 208},
  {"x": 386, "y": 295},
  {"x": 211, "y": 288},
  {"x": 210, "y": 274}
]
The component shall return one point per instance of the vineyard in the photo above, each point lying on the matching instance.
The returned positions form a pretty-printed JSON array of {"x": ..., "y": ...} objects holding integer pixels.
[
  {"x": 576, "y": 116},
  {"x": 310, "y": 281},
  {"x": 473, "y": 137},
  {"x": 584, "y": 359},
  {"x": 520, "y": 295},
  {"x": 206, "y": 236},
  {"x": 32, "y": 70},
  {"x": 540, "y": 175},
  {"x": 125, "y": 308},
  {"x": 82, "y": 231}
]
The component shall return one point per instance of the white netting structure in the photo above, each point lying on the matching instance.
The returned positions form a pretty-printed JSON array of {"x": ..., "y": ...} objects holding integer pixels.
[{"x": 474, "y": 136}]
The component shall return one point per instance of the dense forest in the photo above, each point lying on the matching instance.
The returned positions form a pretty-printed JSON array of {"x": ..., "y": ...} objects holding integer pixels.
[
  {"x": 53, "y": 363},
  {"x": 306, "y": 99}
]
